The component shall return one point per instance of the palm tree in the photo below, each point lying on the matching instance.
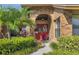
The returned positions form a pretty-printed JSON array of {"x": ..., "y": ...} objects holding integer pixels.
[
  {"x": 24, "y": 20},
  {"x": 8, "y": 18},
  {"x": 13, "y": 19}
]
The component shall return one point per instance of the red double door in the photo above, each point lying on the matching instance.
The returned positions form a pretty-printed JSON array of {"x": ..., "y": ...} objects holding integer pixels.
[{"x": 42, "y": 30}]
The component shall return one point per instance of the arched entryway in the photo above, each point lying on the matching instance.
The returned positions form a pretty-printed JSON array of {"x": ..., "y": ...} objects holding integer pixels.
[{"x": 43, "y": 22}]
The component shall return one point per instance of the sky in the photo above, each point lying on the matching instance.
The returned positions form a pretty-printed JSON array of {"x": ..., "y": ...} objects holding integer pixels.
[{"x": 11, "y": 5}]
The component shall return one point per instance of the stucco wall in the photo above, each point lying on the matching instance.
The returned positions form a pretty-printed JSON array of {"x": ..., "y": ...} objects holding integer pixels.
[
  {"x": 65, "y": 21},
  {"x": 66, "y": 24}
]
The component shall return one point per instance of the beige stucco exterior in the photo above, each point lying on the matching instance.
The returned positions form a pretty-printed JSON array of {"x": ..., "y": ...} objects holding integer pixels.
[{"x": 54, "y": 12}]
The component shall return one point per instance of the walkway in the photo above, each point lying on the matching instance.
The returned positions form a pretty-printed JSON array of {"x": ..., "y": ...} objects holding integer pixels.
[{"x": 45, "y": 49}]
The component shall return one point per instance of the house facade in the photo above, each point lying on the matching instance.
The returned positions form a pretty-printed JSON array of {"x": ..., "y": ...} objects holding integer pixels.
[{"x": 55, "y": 20}]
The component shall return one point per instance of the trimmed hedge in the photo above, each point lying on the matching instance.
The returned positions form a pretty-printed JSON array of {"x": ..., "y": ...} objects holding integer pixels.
[
  {"x": 69, "y": 43},
  {"x": 62, "y": 52},
  {"x": 9, "y": 46},
  {"x": 67, "y": 46}
]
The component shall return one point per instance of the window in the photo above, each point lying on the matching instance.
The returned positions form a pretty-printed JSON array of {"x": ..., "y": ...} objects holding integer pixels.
[
  {"x": 75, "y": 24},
  {"x": 57, "y": 28}
]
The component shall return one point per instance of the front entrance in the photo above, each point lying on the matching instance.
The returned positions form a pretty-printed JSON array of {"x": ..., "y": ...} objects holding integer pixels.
[
  {"x": 42, "y": 27},
  {"x": 42, "y": 31}
]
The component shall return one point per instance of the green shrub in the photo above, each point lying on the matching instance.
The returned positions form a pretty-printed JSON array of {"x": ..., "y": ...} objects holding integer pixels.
[
  {"x": 63, "y": 52},
  {"x": 25, "y": 51},
  {"x": 69, "y": 43},
  {"x": 54, "y": 45},
  {"x": 67, "y": 46},
  {"x": 8, "y": 46}
]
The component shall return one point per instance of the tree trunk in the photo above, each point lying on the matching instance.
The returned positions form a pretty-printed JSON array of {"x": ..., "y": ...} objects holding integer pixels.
[
  {"x": 5, "y": 31},
  {"x": 1, "y": 34}
]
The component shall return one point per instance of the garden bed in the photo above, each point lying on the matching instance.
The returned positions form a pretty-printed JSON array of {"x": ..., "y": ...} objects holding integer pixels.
[
  {"x": 18, "y": 45},
  {"x": 66, "y": 46}
]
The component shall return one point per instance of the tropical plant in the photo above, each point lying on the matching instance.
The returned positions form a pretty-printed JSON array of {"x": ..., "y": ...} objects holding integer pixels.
[
  {"x": 24, "y": 20},
  {"x": 13, "y": 19},
  {"x": 8, "y": 18}
]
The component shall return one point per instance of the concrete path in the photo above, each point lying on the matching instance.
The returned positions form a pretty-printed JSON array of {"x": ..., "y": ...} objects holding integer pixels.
[{"x": 45, "y": 49}]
